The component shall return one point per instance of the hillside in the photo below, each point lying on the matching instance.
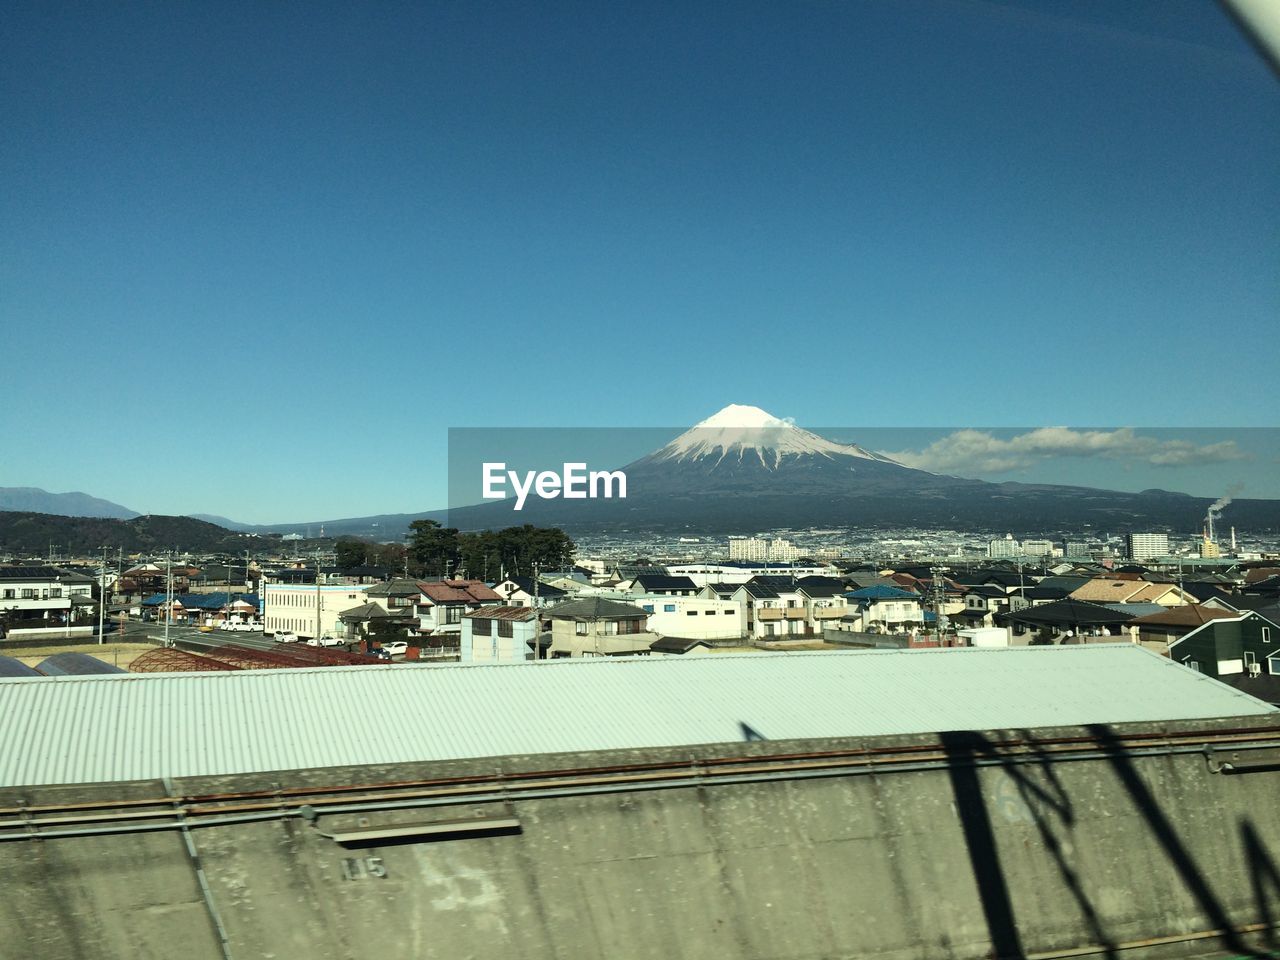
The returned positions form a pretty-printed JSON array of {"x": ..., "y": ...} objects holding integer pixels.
[
  {"x": 30, "y": 534},
  {"x": 35, "y": 500}
]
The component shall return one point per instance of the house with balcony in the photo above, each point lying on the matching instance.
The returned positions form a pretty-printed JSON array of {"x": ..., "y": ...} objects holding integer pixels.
[
  {"x": 599, "y": 627},
  {"x": 443, "y": 602},
  {"x": 887, "y": 609},
  {"x": 41, "y": 600}
]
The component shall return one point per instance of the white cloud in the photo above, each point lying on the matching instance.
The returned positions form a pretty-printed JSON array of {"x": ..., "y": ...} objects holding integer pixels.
[{"x": 977, "y": 451}]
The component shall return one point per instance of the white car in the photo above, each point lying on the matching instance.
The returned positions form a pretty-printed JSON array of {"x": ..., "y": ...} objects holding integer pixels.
[
  {"x": 285, "y": 636},
  {"x": 396, "y": 648}
]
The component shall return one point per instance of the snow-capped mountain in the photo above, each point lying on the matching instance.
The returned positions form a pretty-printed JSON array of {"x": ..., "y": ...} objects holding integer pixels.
[
  {"x": 745, "y": 432},
  {"x": 744, "y": 469}
]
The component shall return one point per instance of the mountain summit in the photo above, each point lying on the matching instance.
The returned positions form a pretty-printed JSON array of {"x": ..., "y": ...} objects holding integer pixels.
[{"x": 741, "y": 432}]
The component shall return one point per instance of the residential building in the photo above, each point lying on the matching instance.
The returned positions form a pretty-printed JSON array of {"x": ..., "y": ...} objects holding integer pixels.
[
  {"x": 1246, "y": 645},
  {"x": 526, "y": 592},
  {"x": 1037, "y": 548},
  {"x": 40, "y": 600},
  {"x": 888, "y": 609},
  {"x": 1004, "y": 549},
  {"x": 1146, "y": 546},
  {"x": 599, "y": 627},
  {"x": 499, "y": 634},
  {"x": 1112, "y": 590},
  {"x": 442, "y": 604},
  {"x": 748, "y": 548},
  {"x": 692, "y": 617},
  {"x": 660, "y": 585}
]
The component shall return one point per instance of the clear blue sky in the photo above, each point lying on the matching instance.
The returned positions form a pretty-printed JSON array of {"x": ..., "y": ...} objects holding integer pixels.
[{"x": 256, "y": 258}]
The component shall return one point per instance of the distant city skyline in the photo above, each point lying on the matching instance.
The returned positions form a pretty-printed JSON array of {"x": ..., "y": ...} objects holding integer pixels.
[{"x": 256, "y": 263}]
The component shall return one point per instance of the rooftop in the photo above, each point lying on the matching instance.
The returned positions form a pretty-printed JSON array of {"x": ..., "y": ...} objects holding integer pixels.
[{"x": 193, "y": 724}]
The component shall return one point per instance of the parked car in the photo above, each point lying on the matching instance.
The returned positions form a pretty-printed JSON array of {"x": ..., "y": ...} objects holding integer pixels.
[
  {"x": 285, "y": 636},
  {"x": 327, "y": 641},
  {"x": 396, "y": 648}
]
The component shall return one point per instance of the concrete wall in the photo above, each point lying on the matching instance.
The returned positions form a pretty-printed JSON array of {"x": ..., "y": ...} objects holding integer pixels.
[{"x": 952, "y": 859}]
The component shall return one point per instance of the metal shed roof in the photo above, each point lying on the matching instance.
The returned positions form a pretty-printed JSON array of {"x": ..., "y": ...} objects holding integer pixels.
[
  {"x": 13, "y": 667},
  {"x": 132, "y": 727},
  {"x": 74, "y": 665}
]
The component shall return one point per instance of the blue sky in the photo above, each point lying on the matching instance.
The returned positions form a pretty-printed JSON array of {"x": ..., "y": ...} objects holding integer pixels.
[{"x": 255, "y": 260}]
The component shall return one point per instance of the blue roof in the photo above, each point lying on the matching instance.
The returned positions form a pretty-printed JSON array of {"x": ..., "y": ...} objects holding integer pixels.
[
  {"x": 881, "y": 592},
  {"x": 204, "y": 601}
]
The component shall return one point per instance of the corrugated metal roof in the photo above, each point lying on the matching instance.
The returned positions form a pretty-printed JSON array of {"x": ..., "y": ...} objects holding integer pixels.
[
  {"x": 132, "y": 727},
  {"x": 74, "y": 665}
]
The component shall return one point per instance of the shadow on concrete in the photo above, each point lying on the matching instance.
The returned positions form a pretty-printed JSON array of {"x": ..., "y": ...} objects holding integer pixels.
[
  {"x": 1051, "y": 813},
  {"x": 1192, "y": 878},
  {"x": 1264, "y": 878}
]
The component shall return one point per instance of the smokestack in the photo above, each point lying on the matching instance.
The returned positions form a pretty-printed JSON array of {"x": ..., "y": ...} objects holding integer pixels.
[{"x": 1233, "y": 539}]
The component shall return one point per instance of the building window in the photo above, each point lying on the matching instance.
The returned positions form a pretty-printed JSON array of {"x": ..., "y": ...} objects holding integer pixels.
[
  {"x": 647, "y": 607},
  {"x": 8, "y": 594},
  {"x": 505, "y": 628},
  {"x": 452, "y": 614},
  {"x": 691, "y": 613},
  {"x": 482, "y": 628},
  {"x": 668, "y": 608},
  {"x": 28, "y": 594},
  {"x": 580, "y": 628},
  {"x": 1266, "y": 634}
]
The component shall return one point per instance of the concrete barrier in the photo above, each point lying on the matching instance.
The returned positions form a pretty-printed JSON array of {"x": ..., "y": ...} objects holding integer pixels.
[{"x": 968, "y": 845}]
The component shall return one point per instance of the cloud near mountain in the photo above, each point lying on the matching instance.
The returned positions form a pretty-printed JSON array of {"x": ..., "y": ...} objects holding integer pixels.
[{"x": 978, "y": 451}]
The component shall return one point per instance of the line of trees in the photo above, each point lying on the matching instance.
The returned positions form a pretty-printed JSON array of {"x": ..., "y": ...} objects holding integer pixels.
[{"x": 437, "y": 551}]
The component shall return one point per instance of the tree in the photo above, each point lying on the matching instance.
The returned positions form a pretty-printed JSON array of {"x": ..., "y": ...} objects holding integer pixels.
[
  {"x": 433, "y": 549},
  {"x": 350, "y": 552}
]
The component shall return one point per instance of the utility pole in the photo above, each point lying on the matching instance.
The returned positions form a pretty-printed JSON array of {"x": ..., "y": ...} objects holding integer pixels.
[
  {"x": 537, "y": 617},
  {"x": 102, "y": 595},
  {"x": 168, "y": 596},
  {"x": 317, "y": 633}
]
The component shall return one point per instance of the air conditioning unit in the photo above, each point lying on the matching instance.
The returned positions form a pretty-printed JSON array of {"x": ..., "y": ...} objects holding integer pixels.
[{"x": 1255, "y": 669}]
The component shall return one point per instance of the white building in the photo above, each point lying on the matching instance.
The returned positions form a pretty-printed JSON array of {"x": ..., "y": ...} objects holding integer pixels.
[
  {"x": 1037, "y": 548},
  {"x": 1145, "y": 546},
  {"x": 703, "y": 573},
  {"x": 748, "y": 548},
  {"x": 293, "y": 606},
  {"x": 693, "y": 618},
  {"x": 44, "y": 600},
  {"x": 1008, "y": 547},
  {"x": 498, "y": 635}
]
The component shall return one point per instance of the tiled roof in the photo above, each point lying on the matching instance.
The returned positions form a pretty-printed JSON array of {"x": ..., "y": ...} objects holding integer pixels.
[{"x": 501, "y": 613}]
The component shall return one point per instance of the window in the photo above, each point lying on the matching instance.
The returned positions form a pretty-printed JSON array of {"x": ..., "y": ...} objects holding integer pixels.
[
  {"x": 668, "y": 608},
  {"x": 8, "y": 594},
  {"x": 482, "y": 628},
  {"x": 452, "y": 614},
  {"x": 55, "y": 593},
  {"x": 580, "y": 628},
  {"x": 505, "y": 628},
  {"x": 1266, "y": 634},
  {"x": 28, "y": 594},
  {"x": 647, "y": 607},
  {"x": 691, "y": 613}
]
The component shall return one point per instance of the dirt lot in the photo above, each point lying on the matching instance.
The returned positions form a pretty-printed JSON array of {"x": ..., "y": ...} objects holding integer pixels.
[{"x": 116, "y": 654}]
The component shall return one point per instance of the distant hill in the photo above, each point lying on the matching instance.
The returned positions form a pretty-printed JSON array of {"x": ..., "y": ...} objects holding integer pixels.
[
  {"x": 35, "y": 500},
  {"x": 221, "y": 521},
  {"x": 28, "y": 533}
]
